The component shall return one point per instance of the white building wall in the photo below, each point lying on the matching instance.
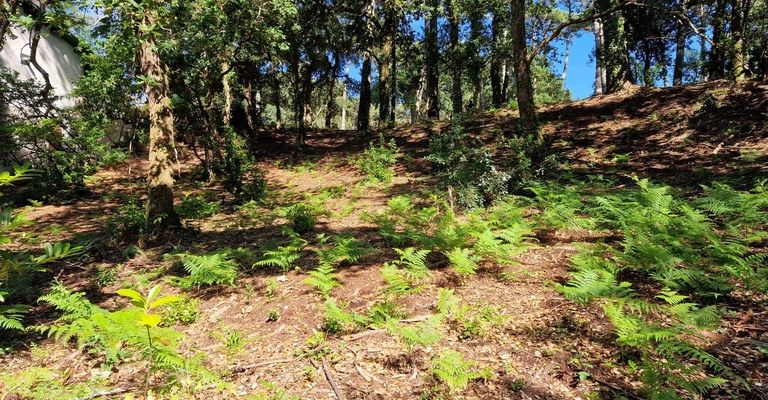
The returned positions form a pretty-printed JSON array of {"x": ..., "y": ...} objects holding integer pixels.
[{"x": 55, "y": 56}]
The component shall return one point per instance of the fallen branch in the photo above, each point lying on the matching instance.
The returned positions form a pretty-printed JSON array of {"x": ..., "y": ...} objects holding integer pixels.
[
  {"x": 104, "y": 394},
  {"x": 616, "y": 388},
  {"x": 261, "y": 364},
  {"x": 332, "y": 379}
]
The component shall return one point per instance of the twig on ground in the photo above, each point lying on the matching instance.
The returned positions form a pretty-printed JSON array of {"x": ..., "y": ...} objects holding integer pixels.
[
  {"x": 261, "y": 364},
  {"x": 332, "y": 379},
  {"x": 104, "y": 394}
]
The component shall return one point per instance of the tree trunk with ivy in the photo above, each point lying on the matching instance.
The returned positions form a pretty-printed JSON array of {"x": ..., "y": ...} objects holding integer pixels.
[{"x": 160, "y": 213}]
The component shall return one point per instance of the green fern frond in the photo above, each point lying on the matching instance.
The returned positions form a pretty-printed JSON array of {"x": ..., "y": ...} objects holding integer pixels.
[
  {"x": 450, "y": 368},
  {"x": 214, "y": 268},
  {"x": 323, "y": 278},
  {"x": 462, "y": 261}
]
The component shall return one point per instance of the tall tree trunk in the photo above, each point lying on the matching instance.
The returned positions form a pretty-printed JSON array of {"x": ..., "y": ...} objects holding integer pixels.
[
  {"x": 160, "y": 212},
  {"x": 306, "y": 103},
  {"x": 600, "y": 76},
  {"x": 737, "y": 38},
  {"x": 387, "y": 82},
  {"x": 226, "y": 75},
  {"x": 364, "y": 107},
  {"x": 277, "y": 98},
  {"x": 496, "y": 61},
  {"x": 345, "y": 99},
  {"x": 331, "y": 106},
  {"x": 566, "y": 56},
  {"x": 680, "y": 38},
  {"x": 647, "y": 58},
  {"x": 457, "y": 95},
  {"x": 36, "y": 33},
  {"x": 432, "y": 58},
  {"x": 717, "y": 54},
  {"x": 474, "y": 54},
  {"x": 393, "y": 84},
  {"x": 523, "y": 82},
  {"x": 614, "y": 55},
  {"x": 703, "y": 70}
]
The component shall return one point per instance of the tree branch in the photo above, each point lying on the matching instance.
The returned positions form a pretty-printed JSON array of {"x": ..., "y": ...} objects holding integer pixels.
[{"x": 556, "y": 33}]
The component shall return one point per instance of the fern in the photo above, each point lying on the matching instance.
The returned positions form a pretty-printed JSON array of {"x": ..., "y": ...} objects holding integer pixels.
[
  {"x": 12, "y": 315},
  {"x": 462, "y": 261},
  {"x": 214, "y": 268},
  {"x": 450, "y": 368},
  {"x": 424, "y": 333},
  {"x": 336, "y": 320},
  {"x": 406, "y": 273},
  {"x": 323, "y": 278},
  {"x": 284, "y": 256}
]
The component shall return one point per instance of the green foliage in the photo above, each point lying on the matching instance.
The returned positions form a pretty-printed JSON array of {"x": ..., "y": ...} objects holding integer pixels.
[
  {"x": 404, "y": 275},
  {"x": 471, "y": 320},
  {"x": 197, "y": 207},
  {"x": 678, "y": 256},
  {"x": 561, "y": 207},
  {"x": 283, "y": 256},
  {"x": 303, "y": 217},
  {"x": 744, "y": 214},
  {"x": 462, "y": 261},
  {"x": 38, "y": 383},
  {"x": 424, "y": 333},
  {"x": 378, "y": 160},
  {"x": 129, "y": 220},
  {"x": 468, "y": 168},
  {"x": 345, "y": 250},
  {"x": 323, "y": 278},
  {"x": 451, "y": 369},
  {"x": 183, "y": 312},
  {"x": 336, "y": 320},
  {"x": 214, "y": 268}
]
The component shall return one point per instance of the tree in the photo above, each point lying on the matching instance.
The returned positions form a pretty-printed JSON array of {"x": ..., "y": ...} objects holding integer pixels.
[
  {"x": 160, "y": 211},
  {"x": 432, "y": 59}
]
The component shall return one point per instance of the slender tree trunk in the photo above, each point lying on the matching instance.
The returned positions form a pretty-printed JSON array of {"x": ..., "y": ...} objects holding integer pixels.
[
  {"x": 600, "y": 76},
  {"x": 737, "y": 38},
  {"x": 34, "y": 44},
  {"x": 703, "y": 70},
  {"x": 345, "y": 99},
  {"x": 614, "y": 55},
  {"x": 331, "y": 106},
  {"x": 364, "y": 107},
  {"x": 306, "y": 103},
  {"x": 160, "y": 212},
  {"x": 227, "y": 89},
  {"x": 474, "y": 54},
  {"x": 680, "y": 38},
  {"x": 386, "y": 54},
  {"x": 523, "y": 82},
  {"x": 277, "y": 98},
  {"x": 647, "y": 78},
  {"x": 457, "y": 95},
  {"x": 566, "y": 55},
  {"x": 393, "y": 83},
  {"x": 432, "y": 58},
  {"x": 717, "y": 56},
  {"x": 496, "y": 61}
]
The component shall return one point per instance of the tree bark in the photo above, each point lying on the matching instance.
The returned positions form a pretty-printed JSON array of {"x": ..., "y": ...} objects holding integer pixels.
[
  {"x": 737, "y": 38},
  {"x": 680, "y": 38},
  {"x": 614, "y": 55},
  {"x": 160, "y": 214},
  {"x": 457, "y": 95},
  {"x": 432, "y": 58},
  {"x": 387, "y": 82},
  {"x": 523, "y": 82},
  {"x": 717, "y": 56},
  {"x": 597, "y": 27},
  {"x": 364, "y": 106}
]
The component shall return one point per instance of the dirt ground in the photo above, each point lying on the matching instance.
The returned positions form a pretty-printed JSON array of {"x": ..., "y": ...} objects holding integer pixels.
[{"x": 544, "y": 344}]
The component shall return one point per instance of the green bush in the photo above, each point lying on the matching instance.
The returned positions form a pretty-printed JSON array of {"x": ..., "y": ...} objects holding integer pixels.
[
  {"x": 197, "y": 207},
  {"x": 129, "y": 220},
  {"x": 303, "y": 218},
  {"x": 378, "y": 160}
]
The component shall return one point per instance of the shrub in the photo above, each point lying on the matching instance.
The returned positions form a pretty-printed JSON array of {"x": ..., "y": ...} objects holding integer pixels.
[
  {"x": 450, "y": 368},
  {"x": 183, "y": 312},
  {"x": 129, "y": 220},
  {"x": 197, "y": 207},
  {"x": 214, "y": 268},
  {"x": 378, "y": 160},
  {"x": 303, "y": 218}
]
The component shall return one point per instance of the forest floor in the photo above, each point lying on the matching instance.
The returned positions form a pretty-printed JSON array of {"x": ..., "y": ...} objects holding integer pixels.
[{"x": 542, "y": 347}]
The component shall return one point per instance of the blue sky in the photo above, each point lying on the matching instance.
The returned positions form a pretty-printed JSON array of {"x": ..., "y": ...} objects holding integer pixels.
[{"x": 580, "y": 76}]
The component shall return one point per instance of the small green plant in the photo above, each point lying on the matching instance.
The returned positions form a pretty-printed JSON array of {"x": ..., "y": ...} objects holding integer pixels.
[
  {"x": 378, "y": 160},
  {"x": 272, "y": 287},
  {"x": 214, "y": 268},
  {"x": 451, "y": 369},
  {"x": 323, "y": 278},
  {"x": 283, "y": 256},
  {"x": 197, "y": 207},
  {"x": 129, "y": 220},
  {"x": 234, "y": 342},
  {"x": 105, "y": 275},
  {"x": 183, "y": 312},
  {"x": 274, "y": 314},
  {"x": 303, "y": 218},
  {"x": 424, "y": 333},
  {"x": 405, "y": 274},
  {"x": 336, "y": 320}
]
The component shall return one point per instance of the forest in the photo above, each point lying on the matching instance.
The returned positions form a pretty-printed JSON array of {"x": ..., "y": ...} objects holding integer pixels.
[{"x": 383, "y": 199}]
